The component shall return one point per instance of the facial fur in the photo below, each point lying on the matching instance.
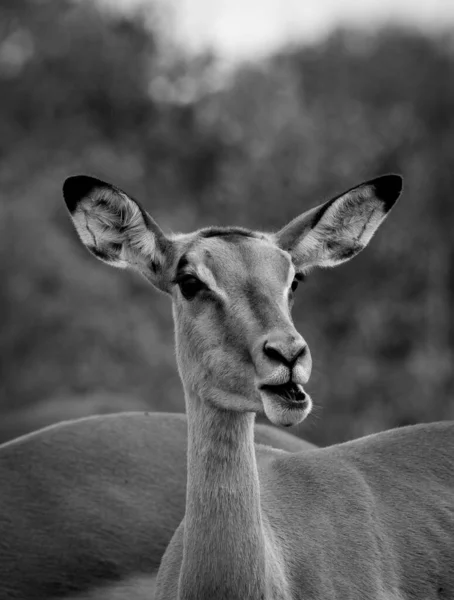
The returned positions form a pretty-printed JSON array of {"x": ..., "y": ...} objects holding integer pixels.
[
  {"x": 248, "y": 283},
  {"x": 237, "y": 346}
]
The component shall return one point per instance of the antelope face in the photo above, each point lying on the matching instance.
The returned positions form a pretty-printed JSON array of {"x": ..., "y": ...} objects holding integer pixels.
[
  {"x": 236, "y": 342},
  {"x": 232, "y": 289}
]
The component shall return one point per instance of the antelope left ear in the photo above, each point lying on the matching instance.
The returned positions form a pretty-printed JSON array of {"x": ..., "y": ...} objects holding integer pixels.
[
  {"x": 117, "y": 230},
  {"x": 338, "y": 230}
]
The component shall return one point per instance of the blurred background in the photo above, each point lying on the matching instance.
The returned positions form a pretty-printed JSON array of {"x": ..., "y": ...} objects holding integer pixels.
[{"x": 226, "y": 112}]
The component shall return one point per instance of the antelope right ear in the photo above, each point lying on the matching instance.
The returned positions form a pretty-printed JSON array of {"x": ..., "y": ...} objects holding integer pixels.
[
  {"x": 117, "y": 230},
  {"x": 338, "y": 230}
]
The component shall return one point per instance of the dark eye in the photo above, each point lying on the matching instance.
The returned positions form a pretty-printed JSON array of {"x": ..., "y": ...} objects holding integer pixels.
[
  {"x": 294, "y": 284},
  {"x": 190, "y": 286}
]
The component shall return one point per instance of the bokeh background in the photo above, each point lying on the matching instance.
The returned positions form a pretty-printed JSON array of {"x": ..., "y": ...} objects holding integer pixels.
[{"x": 214, "y": 112}]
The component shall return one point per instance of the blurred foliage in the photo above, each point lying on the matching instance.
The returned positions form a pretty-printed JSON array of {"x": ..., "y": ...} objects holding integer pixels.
[{"x": 84, "y": 91}]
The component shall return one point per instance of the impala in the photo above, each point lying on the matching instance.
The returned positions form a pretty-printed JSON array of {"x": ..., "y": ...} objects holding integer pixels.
[
  {"x": 370, "y": 519},
  {"x": 65, "y": 407},
  {"x": 90, "y": 502}
]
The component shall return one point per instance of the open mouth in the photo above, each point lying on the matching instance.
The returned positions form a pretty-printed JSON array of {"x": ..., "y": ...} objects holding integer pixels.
[
  {"x": 286, "y": 404},
  {"x": 291, "y": 393}
]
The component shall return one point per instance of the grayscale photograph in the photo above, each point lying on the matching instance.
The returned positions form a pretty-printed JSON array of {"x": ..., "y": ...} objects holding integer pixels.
[{"x": 227, "y": 300}]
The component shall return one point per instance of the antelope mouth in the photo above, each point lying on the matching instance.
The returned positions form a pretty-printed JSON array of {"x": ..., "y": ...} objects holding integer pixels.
[
  {"x": 286, "y": 404},
  {"x": 291, "y": 393}
]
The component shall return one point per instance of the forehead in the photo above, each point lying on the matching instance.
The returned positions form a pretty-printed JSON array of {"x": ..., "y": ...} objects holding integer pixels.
[{"x": 235, "y": 254}]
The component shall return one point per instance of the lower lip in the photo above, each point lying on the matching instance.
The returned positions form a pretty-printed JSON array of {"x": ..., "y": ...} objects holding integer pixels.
[
  {"x": 296, "y": 404},
  {"x": 284, "y": 411}
]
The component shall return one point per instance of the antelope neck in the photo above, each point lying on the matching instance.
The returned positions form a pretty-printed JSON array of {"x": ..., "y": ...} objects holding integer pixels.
[{"x": 224, "y": 546}]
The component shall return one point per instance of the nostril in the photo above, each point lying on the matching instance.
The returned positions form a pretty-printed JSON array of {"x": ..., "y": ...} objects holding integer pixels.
[
  {"x": 300, "y": 353},
  {"x": 284, "y": 354},
  {"x": 273, "y": 353}
]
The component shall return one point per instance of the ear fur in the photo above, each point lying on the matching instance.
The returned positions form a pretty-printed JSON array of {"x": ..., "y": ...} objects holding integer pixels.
[
  {"x": 338, "y": 230},
  {"x": 115, "y": 228}
]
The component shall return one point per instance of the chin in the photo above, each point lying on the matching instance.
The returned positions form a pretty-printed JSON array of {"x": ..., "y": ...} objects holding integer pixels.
[
  {"x": 283, "y": 408},
  {"x": 232, "y": 400}
]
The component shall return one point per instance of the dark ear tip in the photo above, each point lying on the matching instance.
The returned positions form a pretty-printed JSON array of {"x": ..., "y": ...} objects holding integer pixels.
[
  {"x": 77, "y": 187},
  {"x": 388, "y": 188}
]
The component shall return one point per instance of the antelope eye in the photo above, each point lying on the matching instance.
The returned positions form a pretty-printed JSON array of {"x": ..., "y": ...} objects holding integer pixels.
[
  {"x": 190, "y": 286},
  {"x": 294, "y": 284}
]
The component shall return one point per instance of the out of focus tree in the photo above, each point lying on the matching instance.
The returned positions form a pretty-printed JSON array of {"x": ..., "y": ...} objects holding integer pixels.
[{"x": 86, "y": 91}]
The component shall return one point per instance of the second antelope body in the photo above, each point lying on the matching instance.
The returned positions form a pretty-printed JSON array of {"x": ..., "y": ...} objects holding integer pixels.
[{"x": 370, "y": 519}]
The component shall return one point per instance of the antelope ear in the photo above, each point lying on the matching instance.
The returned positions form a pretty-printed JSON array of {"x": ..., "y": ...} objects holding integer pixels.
[
  {"x": 338, "y": 230},
  {"x": 116, "y": 229}
]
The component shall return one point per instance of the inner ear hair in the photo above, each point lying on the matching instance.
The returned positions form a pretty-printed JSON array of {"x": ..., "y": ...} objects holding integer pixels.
[
  {"x": 113, "y": 227},
  {"x": 337, "y": 230}
]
